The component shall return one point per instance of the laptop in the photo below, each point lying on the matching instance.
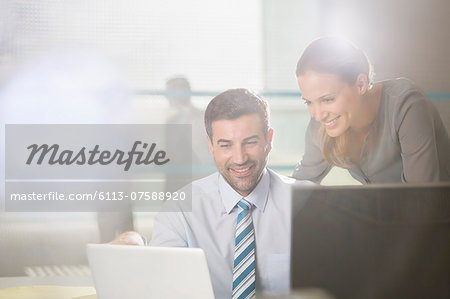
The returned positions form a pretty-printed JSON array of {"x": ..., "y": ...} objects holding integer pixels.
[
  {"x": 122, "y": 271},
  {"x": 373, "y": 241}
]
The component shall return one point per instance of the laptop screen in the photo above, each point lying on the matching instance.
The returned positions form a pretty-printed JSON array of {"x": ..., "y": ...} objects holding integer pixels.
[{"x": 375, "y": 241}]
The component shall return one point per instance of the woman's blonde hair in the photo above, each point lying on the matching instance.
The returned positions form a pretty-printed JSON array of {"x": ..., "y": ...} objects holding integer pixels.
[
  {"x": 342, "y": 58},
  {"x": 334, "y": 149}
]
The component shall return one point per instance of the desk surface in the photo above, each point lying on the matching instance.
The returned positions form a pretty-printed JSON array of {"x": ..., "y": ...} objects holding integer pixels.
[
  {"x": 54, "y": 287},
  {"x": 73, "y": 281}
]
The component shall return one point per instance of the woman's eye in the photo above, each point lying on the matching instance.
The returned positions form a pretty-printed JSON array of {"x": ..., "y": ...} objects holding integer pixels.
[
  {"x": 306, "y": 102},
  {"x": 328, "y": 100}
]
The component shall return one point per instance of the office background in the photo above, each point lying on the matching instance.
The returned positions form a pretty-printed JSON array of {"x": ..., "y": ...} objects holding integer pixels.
[{"x": 107, "y": 61}]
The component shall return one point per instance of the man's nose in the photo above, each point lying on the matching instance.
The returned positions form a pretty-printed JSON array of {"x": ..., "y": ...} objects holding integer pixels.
[{"x": 239, "y": 155}]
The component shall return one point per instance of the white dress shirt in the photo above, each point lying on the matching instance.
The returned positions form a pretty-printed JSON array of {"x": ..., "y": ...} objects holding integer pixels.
[{"x": 211, "y": 226}]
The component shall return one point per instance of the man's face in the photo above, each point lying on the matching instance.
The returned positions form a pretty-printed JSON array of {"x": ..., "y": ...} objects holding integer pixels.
[{"x": 240, "y": 148}]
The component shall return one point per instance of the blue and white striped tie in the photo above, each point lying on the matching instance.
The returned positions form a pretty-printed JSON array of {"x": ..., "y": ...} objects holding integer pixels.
[{"x": 244, "y": 254}]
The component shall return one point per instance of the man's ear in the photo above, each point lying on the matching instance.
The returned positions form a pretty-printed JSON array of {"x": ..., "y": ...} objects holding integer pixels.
[
  {"x": 362, "y": 82},
  {"x": 269, "y": 140},
  {"x": 210, "y": 146}
]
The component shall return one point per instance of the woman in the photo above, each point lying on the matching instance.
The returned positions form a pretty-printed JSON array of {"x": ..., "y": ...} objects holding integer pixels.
[{"x": 381, "y": 132}]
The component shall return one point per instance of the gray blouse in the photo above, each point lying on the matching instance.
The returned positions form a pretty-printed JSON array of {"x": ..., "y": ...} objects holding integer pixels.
[{"x": 407, "y": 142}]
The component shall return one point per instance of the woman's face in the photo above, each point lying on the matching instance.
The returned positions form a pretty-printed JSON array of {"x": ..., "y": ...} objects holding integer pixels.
[{"x": 330, "y": 100}]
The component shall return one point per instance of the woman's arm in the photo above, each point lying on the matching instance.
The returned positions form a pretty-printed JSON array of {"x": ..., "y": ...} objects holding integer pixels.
[
  {"x": 313, "y": 166},
  {"x": 417, "y": 137}
]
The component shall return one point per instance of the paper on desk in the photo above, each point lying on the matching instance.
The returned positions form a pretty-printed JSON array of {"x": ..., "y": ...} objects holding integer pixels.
[{"x": 48, "y": 292}]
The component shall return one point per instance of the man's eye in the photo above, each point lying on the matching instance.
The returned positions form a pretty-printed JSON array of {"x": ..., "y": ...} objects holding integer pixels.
[
  {"x": 327, "y": 100},
  {"x": 306, "y": 102},
  {"x": 251, "y": 142},
  {"x": 225, "y": 145}
]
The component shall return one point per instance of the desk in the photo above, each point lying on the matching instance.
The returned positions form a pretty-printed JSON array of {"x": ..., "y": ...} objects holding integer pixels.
[
  {"x": 72, "y": 281},
  {"x": 83, "y": 286},
  {"x": 53, "y": 287}
]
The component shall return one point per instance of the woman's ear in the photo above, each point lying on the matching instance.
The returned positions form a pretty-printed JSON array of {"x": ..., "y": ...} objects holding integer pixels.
[{"x": 362, "y": 82}]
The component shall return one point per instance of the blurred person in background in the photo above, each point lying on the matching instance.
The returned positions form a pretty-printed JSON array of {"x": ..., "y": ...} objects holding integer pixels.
[
  {"x": 182, "y": 111},
  {"x": 382, "y": 132}
]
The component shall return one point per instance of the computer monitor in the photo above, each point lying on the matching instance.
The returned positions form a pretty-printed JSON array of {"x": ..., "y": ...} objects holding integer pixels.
[{"x": 372, "y": 241}]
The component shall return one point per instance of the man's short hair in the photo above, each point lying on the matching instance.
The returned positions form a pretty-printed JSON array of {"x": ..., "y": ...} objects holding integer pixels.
[{"x": 234, "y": 103}]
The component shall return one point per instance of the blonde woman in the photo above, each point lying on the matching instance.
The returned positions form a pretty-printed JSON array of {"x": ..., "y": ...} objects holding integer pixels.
[{"x": 381, "y": 132}]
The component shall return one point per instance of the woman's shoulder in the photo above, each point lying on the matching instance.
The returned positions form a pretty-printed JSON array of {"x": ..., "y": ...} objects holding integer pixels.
[
  {"x": 400, "y": 87},
  {"x": 401, "y": 96}
]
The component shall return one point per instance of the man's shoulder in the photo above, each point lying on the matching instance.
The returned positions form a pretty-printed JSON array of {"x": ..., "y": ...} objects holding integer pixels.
[
  {"x": 279, "y": 178},
  {"x": 285, "y": 180},
  {"x": 199, "y": 190},
  {"x": 206, "y": 184}
]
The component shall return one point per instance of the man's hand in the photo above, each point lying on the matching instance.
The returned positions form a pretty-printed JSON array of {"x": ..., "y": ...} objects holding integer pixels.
[{"x": 128, "y": 238}]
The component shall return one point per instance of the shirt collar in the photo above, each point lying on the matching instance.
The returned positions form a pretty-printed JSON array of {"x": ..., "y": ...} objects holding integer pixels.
[{"x": 258, "y": 197}]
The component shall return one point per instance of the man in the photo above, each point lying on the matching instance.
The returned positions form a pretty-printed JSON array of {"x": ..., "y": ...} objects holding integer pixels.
[{"x": 241, "y": 214}]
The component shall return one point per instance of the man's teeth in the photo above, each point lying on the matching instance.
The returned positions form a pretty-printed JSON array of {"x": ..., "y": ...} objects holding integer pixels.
[{"x": 242, "y": 170}]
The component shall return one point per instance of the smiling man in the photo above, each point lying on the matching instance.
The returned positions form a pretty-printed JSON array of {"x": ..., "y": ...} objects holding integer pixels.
[
  {"x": 241, "y": 214},
  {"x": 239, "y": 145}
]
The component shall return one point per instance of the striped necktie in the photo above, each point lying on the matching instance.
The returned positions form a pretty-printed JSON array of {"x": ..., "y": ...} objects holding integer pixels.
[{"x": 244, "y": 254}]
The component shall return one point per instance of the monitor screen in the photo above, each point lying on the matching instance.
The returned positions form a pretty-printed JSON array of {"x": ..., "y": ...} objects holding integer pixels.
[{"x": 372, "y": 241}]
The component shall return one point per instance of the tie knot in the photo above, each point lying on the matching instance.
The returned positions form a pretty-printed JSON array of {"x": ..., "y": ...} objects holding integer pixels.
[{"x": 245, "y": 205}]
